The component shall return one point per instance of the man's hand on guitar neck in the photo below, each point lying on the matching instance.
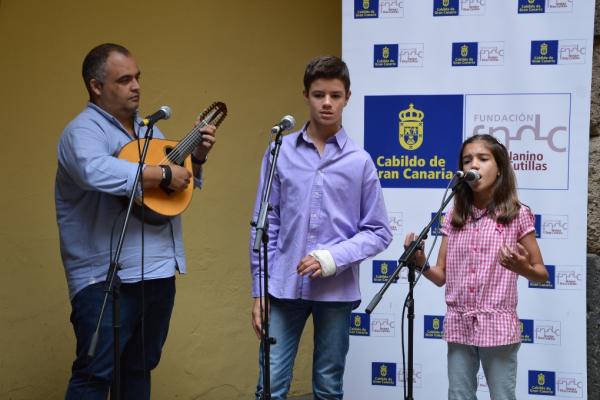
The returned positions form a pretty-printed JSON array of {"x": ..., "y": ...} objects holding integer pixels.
[
  {"x": 201, "y": 151},
  {"x": 180, "y": 177}
]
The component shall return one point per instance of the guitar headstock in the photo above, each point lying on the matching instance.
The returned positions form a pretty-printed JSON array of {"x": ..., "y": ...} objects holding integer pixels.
[{"x": 214, "y": 114}]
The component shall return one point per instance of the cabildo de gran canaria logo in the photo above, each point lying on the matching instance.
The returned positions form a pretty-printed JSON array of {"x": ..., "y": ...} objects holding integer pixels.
[
  {"x": 545, "y": 6},
  {"x": 532, "y": 6},
  {"x": 383, "y": 269},
  {"x": 411, "y": 128},
  {"x": 436, "y": 227},
  {"x": 385, "y": 56},
  {"x": 366, "y": 8},
  {"x": 378, "y": 9},
  {"x": 465, "y": 54},
  {"x": 414, "y": 140},
  {"x": 542, "y": 383},
  {"x": 433, "y": 326},
  {"x": 383, "y": 373},
  {"x": 444, "y": 8},
  {"x": 544, "y": 52},
  {"x": 449, "y": 8},
  {"x": 360, "y": 324}
]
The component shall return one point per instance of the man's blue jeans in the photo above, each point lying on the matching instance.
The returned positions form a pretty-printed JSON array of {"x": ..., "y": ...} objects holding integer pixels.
[
  {"x": 331, "y": 341},
  {"x": 91, "y": 378}
]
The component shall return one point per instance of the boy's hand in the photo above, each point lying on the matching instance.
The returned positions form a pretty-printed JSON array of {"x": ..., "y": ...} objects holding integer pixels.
[
  {"x": 309, "y": 266},
  {"x": 256, "y": 317}
]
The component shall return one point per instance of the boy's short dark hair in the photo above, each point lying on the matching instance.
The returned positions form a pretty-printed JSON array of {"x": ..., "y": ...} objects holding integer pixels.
[
  {"x": 95, "y": 60},
  {"x": 326, "y": 67}
]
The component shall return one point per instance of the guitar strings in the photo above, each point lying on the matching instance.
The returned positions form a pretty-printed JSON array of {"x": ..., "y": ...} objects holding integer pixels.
[{"x": 176, "y": 156}]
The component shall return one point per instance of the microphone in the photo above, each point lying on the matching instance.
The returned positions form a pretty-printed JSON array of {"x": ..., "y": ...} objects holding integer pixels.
[
  {"x": 287, "y": 122},
  {"x": 163, "y": 113},
  {"x": 469, "y": 176}
]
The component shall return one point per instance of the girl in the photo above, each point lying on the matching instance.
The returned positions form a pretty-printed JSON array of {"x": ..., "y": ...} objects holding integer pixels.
[{"x": 489, "y": 240}]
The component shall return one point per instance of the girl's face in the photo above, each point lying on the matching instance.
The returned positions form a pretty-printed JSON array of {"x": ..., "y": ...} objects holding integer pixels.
[{"x": 477, "y": 156}]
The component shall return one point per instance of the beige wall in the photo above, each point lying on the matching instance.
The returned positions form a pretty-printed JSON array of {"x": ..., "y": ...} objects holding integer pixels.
[{"x": 249, "y": 54}]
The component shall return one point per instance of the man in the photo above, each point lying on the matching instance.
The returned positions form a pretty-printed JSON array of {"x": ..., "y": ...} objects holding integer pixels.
[
  {"x": 90, "y": 185},
  {"x": 328, "y": 215}
]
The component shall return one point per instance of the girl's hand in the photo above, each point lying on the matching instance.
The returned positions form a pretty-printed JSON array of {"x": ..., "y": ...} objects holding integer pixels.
[
  {"x": 419, "y": 255},
  {"x": 515, "y": 261}
]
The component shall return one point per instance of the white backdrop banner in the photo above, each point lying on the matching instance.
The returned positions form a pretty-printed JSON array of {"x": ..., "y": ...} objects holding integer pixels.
[{"x": 426, "y": 74}]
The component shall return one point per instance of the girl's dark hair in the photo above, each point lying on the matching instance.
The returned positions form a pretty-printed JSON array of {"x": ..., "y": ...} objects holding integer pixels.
[
  {"x": 326, "y": 67},
  {"x": 504, "y": 206}
]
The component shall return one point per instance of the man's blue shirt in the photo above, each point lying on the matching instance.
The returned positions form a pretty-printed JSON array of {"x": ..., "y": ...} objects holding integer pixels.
[{"x": 90, "y": 182}]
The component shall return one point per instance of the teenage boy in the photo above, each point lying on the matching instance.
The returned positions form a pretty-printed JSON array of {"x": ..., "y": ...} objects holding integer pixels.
[{"x": 328, "y": 215}]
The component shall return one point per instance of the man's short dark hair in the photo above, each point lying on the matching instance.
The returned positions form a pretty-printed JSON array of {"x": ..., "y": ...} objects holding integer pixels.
[
  {"x": 326, "y": 67},
  {"x": 95, "y": 60}
]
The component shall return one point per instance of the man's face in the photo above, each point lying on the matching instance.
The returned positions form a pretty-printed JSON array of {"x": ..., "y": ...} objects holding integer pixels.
[
  {"x": 119, "y": 93},
  {"x": 326, "y": 99}
]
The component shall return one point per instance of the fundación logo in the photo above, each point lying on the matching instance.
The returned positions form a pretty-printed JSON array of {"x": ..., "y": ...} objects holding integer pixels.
[
  {"x": 396, "y": 221},
  {"x": 383, "y": 325},
  {"x": 411, "y": 54},
  {"x": 535, "y": 130},
  {"x": 417, "y": 375},
  {"x": 572, "y": 51},
  {"x": 490, "y": 54},
  {"x": 562, "y": 277},
  {"x": 391, "y": 8},
  {"x": 540, "y": 332},
  {"x": 551, "y": 226}
]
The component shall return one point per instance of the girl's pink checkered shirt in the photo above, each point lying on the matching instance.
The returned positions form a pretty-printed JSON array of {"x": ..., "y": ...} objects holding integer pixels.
[{"x": 480, "y": 293}]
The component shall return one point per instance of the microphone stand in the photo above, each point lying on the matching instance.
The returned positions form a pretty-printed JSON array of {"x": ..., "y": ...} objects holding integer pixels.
[
  {"x": 113, "y": 283},
  {"x": 406, "y": 260},
  {"x": 262, "y": 235}
]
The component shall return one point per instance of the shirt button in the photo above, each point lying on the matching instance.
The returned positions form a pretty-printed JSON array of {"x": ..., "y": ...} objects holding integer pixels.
[{"x": 471, "y": 290}]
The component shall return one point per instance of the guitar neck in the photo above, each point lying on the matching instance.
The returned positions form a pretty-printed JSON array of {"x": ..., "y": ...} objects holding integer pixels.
[{"x": 185, "y": 147}]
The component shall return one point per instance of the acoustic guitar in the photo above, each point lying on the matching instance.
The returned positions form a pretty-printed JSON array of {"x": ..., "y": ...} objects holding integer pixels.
[{"x": 161, "y": 204}]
